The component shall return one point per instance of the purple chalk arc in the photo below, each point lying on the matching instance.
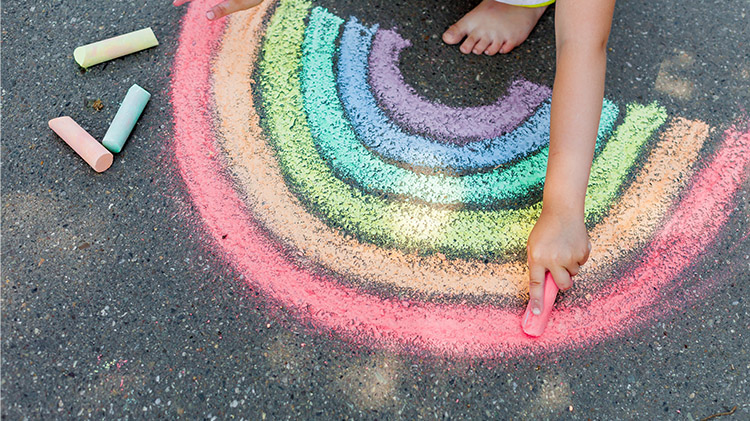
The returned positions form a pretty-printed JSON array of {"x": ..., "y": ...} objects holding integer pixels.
[{"x": 442, "y": 122}]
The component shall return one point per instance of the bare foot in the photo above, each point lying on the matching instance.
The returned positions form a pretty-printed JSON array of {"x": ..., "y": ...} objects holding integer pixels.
[{"x": 493, "y": 27}]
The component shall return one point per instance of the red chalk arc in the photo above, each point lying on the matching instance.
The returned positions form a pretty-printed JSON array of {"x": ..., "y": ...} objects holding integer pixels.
[{"x": 454, "y": 329}]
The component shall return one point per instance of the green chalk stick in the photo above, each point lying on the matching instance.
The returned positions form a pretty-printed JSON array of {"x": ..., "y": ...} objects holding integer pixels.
[{"x": 130, "y": 110}]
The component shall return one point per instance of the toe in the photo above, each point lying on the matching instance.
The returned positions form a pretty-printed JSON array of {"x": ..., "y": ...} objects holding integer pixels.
[
  {"x": 468, "y": 45},
  {"x": 493, "y": 48},
  {"x": 481, "y": 45},
  {"x": 454, "y": 34},
  {"x": 507, "y": 47}
]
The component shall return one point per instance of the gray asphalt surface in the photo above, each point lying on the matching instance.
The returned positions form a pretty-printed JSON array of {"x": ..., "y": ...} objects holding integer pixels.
[{"x": 115, "y": 305}]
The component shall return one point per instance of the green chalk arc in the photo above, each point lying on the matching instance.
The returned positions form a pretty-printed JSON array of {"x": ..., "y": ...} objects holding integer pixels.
[{"x": 409, "y": 226}]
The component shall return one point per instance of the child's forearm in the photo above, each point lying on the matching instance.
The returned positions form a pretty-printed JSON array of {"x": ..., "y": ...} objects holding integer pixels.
[
  {"x": 576, "y": 108},
  {"x": 582, "y": 32}
]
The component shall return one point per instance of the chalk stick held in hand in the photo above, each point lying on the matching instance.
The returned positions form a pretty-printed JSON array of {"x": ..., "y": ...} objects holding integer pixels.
[{"x": 533, "y": 324}]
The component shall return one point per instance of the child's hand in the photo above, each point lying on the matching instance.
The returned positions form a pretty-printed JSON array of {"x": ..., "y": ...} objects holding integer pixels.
[
  {"x": 559, "y": 244},
  {"x": 224, "y": 8}
]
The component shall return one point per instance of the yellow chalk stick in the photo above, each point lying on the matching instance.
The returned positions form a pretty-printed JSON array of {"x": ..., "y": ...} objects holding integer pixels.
[
  {"x": 82, "y": 142},
  {"x": 108, "y": 49}
]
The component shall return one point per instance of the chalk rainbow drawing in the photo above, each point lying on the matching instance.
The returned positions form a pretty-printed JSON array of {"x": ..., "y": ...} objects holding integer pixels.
[{"x": 376, "y": 185}]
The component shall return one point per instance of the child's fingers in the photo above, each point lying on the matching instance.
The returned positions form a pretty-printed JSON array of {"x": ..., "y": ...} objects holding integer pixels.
[
  {"x": 562, "y": 278},
  {"x": 573, "y": 268},
  {"x": 179, "y": 2},
  {"x": 585, "y": 256},
  {"x": 220, "y": 10},
  {"x": 225, "y": 8},
  {"x": 536, "y": 288}
]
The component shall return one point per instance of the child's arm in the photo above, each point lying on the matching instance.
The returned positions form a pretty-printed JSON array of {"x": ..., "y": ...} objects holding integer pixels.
[
  {"x": 559, "y": 241},
  {"x": 224, "y": 8}
]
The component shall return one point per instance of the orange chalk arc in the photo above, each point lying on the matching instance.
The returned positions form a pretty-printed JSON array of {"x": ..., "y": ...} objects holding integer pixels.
[{"x": 218, "y": 128}]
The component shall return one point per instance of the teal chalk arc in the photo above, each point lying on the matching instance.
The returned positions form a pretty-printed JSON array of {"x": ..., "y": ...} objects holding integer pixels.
[{"x": 372, "y": 218}]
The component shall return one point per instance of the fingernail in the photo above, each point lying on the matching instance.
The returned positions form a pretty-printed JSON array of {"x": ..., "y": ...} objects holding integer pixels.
[
  {"x": 210, "y": 15},
  {"x": 536, "y": 307}
]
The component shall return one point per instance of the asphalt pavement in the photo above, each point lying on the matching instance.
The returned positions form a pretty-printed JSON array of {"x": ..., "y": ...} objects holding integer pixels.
[{"x": 117, "y": 302}]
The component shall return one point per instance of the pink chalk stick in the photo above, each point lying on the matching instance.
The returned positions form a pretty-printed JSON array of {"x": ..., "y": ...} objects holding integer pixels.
[
  {"x": 534, "y": 325},
  {"x": 96, "y": 155}
]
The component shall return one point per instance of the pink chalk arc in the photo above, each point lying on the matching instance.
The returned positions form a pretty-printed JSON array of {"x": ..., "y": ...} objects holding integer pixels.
[{"x": 447, "y": 329}]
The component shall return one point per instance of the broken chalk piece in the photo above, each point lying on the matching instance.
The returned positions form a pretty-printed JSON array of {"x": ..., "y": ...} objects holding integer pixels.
[
  {"x": 534, "y": 325},
  {"x": 127, "y": 115},
  {"x": 108, "y": 49},
  {"x": 82, "y": 142}
]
